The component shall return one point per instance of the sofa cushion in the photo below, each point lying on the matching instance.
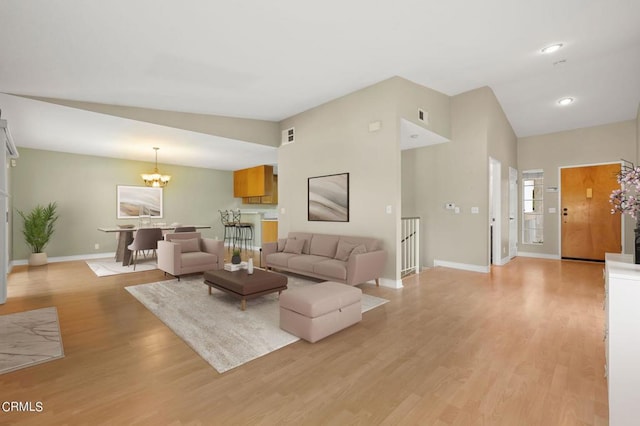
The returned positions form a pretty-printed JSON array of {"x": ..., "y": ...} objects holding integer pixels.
[
  {"x": 324, "y": 245},
  {"x": 305, "y": 236},
  {"x": 358, "y": 250},
  {"x": 371, "y": 244},
  {"x": 281, "y": 243},
  {"x": 305, "y": 263},
  {"x": 197, "y": 258},
  {"x": 331, "y": 268},
  {"x": 188, "y": 245},
  {"x": 293, "y": 246},
  {"x": 279, "y": 259},
  {"x": 344, "y": 250}
]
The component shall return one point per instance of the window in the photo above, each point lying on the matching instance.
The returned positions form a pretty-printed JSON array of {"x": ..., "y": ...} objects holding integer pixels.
[{"x": 532, "y": 207}]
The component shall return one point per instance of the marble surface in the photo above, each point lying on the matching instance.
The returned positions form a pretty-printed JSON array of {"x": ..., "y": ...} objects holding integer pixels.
[{"x": 29, "y": 338}]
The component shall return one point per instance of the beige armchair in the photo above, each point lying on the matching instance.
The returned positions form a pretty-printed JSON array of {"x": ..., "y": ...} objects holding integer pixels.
[{"x": 187, "y": 252}]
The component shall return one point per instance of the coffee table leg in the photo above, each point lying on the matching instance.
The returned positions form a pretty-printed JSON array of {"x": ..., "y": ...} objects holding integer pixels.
[
  {"x": 244, "y": 304},
  {"x": 209, "y": 289}
]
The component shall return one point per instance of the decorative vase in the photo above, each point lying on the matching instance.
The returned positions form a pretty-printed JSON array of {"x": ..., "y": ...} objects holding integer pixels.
[
  {"x": 235, "y": 259},
  {"x": 250, "y": 266},
  {"x": 636, "y": 251},
  {"x": 38, "y": 259}
]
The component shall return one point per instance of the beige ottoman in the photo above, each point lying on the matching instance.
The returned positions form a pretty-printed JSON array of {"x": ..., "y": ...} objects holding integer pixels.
[{"x": 314, "y": 312}]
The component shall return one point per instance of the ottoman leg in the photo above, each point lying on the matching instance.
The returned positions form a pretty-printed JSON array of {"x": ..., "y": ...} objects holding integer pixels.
[{"x": 243, "y": 305}]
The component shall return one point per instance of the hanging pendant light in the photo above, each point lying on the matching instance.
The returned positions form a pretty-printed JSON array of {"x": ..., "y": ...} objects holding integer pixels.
[{"x": 155, "y": 179}]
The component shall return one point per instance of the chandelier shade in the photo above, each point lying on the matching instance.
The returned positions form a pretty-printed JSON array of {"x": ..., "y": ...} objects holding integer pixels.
[{"x": 156, "y": 179}]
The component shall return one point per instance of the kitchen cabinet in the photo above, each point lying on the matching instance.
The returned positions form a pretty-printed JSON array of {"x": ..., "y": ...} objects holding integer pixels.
[
  {"x": 269, "y": 231},
  {"x": 265, "y": 199},
  {"x": 622, "y": 337},
  {"x": 253, "y": 182}
]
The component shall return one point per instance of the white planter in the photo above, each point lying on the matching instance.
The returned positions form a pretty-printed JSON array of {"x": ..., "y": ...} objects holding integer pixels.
[{"x": 37, "y": 259}]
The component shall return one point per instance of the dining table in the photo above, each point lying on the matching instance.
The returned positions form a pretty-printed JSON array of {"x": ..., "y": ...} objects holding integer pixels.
[{"x": 125, "y": 237}]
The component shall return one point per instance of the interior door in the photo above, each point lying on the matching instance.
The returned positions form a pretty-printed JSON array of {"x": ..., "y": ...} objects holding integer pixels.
[{"x": 589, "y": 230}]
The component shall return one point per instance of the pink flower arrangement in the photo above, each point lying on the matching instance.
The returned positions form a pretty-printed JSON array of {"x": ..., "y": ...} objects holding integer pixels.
[{"x": 627, "y": 199}]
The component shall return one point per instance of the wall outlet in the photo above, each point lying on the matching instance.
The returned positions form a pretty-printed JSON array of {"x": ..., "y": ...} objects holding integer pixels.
[
  {"x": 96, "y": 246},
  {"x": 457, "y": 210},
  {"x": 388, "y": 209}
]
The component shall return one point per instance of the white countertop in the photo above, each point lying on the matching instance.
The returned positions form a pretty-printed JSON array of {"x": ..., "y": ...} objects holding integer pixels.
[{"x": 622, "y": 266}]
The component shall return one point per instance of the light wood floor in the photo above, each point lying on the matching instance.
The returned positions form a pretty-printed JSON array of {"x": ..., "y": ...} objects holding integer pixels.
[{"x": 519, "y": 346}]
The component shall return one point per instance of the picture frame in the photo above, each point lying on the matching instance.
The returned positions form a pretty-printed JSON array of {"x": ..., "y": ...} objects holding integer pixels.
[
  {"x": 136, "y": 201},
  {"x": 328, "y": 198}
]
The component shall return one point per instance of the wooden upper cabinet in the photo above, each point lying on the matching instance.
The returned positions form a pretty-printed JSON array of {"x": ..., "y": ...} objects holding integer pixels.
[
  {"x": 273, "y": 198},
  {"x": 265, "y": 199},
  {"x": 253, "y": 182}
]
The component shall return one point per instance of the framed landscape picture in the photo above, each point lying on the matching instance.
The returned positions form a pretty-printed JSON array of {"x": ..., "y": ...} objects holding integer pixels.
[
  {"x": 136, "y": 201},
  {"x": 328, "y": 198}
]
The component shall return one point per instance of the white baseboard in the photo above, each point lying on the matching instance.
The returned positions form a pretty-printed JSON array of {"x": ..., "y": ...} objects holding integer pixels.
[
  {"x": 463, "y": 266},
  {"x": 68, "y": 258},
  {"x": 386, "y": 282},
  {"x": 539, "y": 255},
  {"x": 503, "y": 261}
]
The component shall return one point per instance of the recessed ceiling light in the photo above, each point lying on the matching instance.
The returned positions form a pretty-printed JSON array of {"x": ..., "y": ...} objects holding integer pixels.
[
  {"x": 552, "y": 48},
  {"x": 565, "y": 101}
]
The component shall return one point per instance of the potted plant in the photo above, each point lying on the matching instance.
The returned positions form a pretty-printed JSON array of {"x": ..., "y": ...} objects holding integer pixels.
[
  {"x": 235, "y": 259},
  {"x": 38, "y": 229}
]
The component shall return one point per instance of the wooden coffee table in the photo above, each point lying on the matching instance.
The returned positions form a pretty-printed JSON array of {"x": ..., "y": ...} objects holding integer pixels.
[{"x": 245, "y": 286}]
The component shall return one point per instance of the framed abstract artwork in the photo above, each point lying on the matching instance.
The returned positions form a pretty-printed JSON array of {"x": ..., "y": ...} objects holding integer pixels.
[
  {"x": 328, "y": 198},
  {"x": 136, "y": 201}
]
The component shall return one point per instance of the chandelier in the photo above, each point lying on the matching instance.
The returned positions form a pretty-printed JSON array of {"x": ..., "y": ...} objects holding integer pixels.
[{"x": 155, "y": 179}]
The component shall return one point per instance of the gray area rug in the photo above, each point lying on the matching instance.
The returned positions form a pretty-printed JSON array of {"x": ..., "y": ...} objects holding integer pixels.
[
  {"x": 215, "y": 326},
  {"x": 29, "y": 338},
  {"x": 106, "y": 267}
]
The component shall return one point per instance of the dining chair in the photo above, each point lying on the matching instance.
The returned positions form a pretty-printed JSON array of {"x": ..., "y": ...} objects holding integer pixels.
[{"x": 145, "y": 239}]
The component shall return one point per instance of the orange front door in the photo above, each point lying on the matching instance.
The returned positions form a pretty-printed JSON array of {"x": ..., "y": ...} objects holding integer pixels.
[{"x": 589, "y": 230}]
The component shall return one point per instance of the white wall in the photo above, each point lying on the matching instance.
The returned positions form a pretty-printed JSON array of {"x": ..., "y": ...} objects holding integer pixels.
[
  {"x": 587, "y": 146},
  {"x": 335, "y": 138}
]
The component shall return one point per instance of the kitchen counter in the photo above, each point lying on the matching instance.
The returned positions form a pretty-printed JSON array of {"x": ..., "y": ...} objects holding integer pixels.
[{"x": 256, "y": 217}]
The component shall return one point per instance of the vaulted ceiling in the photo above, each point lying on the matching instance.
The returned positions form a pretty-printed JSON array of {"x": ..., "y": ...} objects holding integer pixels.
[{"x": 273, "y": 59}]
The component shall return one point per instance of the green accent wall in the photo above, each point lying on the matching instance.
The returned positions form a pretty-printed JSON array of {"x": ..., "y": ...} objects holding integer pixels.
[{"x": 85, "y": 189}]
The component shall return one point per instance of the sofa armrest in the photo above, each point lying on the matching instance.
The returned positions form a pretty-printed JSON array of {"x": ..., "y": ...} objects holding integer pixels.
[
  {"x": 216, "y": 247},
  {"x": 365, "y": 266},
  {"x": 268, "y": 248},
  {"x": 169, "y": 257}
]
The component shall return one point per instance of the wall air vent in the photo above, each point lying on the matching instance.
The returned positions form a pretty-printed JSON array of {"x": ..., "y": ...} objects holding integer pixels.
[
  {"x": 423, "y": 115},
  {"x": 288, "y": 136}
]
